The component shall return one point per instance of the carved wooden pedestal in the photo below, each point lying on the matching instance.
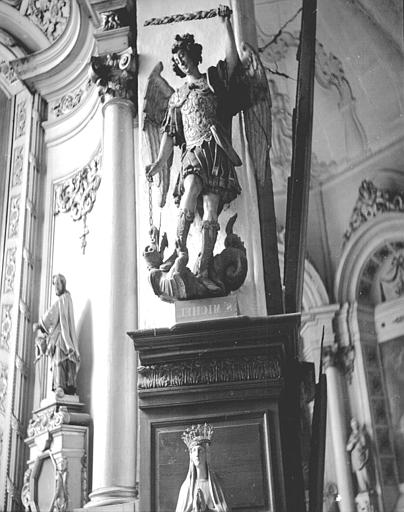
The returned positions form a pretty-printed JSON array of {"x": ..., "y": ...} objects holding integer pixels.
[
  {"x": 229, "y": 373},
  {"x": 56, "y": 478}
]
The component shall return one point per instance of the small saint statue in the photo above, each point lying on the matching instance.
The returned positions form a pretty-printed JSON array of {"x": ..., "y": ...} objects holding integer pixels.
[
  {"x": 201, "y": 490},
  {"x": 358, "y": 447},
  {"x": 56, "y": 338}
]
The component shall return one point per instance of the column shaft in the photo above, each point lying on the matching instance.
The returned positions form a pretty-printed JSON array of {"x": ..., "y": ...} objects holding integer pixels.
[{"x": 114, "y": 367}]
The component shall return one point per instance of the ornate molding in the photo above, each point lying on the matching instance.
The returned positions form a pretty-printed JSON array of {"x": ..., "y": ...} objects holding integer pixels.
[
  {"x": 115, "y": 75},
  {"x": 372, "y": 202},
  {"x": 10, "y": 269},
  {"x": 14, "y": 216},
  {"x": 7, "y": 72},
  {"x": 110, "y": 20},
  {"x": 77, "y": 194},
  {"x": 342, "y": 358},
  {"x": 47, "y": 420},
  {"x": 3, "y": 386},
  {"x": 216, "y": 371},
  {"x": 84, "y": 479},
  {"x": 51, "y": 16},
  {"x": 26, "y": 490},
  {"x": 5, "y": 326},
  {"x": 70, "y": 101}
]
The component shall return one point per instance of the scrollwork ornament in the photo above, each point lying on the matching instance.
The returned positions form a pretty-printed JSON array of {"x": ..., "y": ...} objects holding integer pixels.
[
  {"x": 188, "y": 373},
  {"x": 45, "y": 421},
  {"x": 115, "y": 75},
  {"x": 14, "y": 216},
  {"x": 21, "y": 119},
  {"x": 3, "y": 386},
  {"x": 26, "y": 491},
  {"x": 372, "y": 202},
  {"x": 70, "y": 101},
  {"x": 17, "y": 166},
  {"x": 77, "y": 194}
]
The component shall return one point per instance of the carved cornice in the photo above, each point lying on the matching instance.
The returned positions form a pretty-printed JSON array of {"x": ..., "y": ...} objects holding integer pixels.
[
  {"x": 372, "y": 202},
  {"x": 213, "y": 371},
  {"x": 51, "y": 16},
  {"x": 77, "y": 194},
  {"x": 342, "y": 358},
  {"x": 115, "y": 75}
]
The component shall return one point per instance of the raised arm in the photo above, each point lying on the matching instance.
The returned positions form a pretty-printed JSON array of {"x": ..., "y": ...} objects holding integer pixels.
[
  {"x": 165, "y": 151},
  {"x": 230, "y": 43}
]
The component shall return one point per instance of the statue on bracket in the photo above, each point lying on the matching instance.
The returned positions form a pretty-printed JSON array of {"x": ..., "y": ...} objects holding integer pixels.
[
  {"x": 197, "y": 118},
  {"x": 359, "y": 448},
  {"x": 56, "y": 338},
  {"x": 201, "y": 490}
]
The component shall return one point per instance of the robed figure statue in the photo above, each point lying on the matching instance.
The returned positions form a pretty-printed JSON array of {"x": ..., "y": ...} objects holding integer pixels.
[
  {"x": 56, "y": 338},
  {"x": 201, "y": 490},
  {"x": 197, "y": 119}
]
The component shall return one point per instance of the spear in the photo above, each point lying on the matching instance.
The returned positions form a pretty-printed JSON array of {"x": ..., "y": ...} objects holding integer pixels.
[{"x": 222, "y": 10}]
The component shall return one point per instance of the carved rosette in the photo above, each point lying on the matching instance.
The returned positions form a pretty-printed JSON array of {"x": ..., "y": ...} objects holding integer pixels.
[
  {"x": 47, "y": 420},
  {"x": 77, "y": 194},
  {"x": 115, "y": 75},
  {"x": 372, "y": 202},
  {"x": 5, "y": 326},
  {"x": 51, "y": 16},
  {"x": 216, "y": 371},
  {"x": 342, "y": 358}
]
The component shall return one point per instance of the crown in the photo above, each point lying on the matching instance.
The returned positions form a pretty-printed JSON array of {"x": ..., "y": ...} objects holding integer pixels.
[{"x": 197, "y": 434}]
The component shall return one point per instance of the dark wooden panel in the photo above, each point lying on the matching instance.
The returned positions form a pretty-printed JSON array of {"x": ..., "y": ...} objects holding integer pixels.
[{"x": 239, "y": 457}]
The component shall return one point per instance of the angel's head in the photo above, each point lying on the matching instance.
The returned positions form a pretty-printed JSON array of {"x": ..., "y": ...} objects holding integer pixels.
[{"x": 186, "y": 54}]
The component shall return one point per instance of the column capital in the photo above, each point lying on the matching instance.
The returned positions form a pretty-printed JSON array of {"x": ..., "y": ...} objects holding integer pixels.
[
  {"x": 340, "y": 357},
  {"x": 115, "y": 75}
]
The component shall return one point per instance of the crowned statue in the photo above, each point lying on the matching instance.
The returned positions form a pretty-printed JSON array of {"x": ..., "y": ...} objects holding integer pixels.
[
  {"x": 197, "y": 119},
  {"x": 201, "y": 490}
]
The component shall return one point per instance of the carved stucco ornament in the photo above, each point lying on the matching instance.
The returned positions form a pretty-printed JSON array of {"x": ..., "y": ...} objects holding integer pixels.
[
  {"x": 3, "y": 386},
  {"x": 342, "y": 358},
  {"x": 115, "y": 75},
  {"x": 77, "y": 194},
  {"x": 70, "y": 101},
  {"x": 5, "y": 326},
  {"x": 189, "y": 373},
  {"x": 51, "y": 16},
  {"x": 372, "y": 202},
  {"x": 8, "y": 73},
  {"x": 47, "y": 420}
]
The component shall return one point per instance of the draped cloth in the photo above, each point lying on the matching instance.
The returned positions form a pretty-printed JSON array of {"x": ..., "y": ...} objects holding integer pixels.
[
  {"x": 189, "y": 488},
  {"x": 58, "y": 324}
]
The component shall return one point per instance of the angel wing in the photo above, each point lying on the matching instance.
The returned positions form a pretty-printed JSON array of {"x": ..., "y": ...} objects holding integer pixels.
[
  {"x": 257, "y": 113},
  {"x": 158, "y": 92}
]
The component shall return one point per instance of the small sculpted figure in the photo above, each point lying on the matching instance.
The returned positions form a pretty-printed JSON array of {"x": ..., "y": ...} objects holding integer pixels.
[
  {"x": 358, "y": 447},
  {"x": 201, "y": 490},
  {"x": 56, "y": 338}
]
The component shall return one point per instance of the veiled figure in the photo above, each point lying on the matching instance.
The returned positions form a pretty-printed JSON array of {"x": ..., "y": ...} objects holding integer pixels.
[
  {"x": 60, "y": 340},
  {"x": 201, "y": 490}
]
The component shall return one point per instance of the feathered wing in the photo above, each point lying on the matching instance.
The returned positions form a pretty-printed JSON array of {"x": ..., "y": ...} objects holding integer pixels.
[
  {"x": 257, "y": 113},
  {"x": 158, "y": 93}
]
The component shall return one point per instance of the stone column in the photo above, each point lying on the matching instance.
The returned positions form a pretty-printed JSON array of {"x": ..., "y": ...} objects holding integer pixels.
[
  {"x": 114, "y": 306},
  {"x": 335, "y": 358}
]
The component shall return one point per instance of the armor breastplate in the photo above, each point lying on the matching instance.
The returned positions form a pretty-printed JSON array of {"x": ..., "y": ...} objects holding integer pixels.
[{"x": 198, "y": 115}]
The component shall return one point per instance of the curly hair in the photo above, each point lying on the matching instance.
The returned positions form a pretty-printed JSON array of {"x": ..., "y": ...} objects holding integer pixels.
[{"x": 188, "y": 45}]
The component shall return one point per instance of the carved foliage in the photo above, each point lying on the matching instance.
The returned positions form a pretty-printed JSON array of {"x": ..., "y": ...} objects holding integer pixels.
[
  {"x": 370, "y": 203},
  {"x": 8, "y": 72},
  {"x": 5, "y": 326},
  {"x": 21, "y": 119},
  {"x": 10, "y": 268},
  {"x": 188, "y": 373},
  {"x": 51, "y": 16},
  {"x": 3, "y": 386}
]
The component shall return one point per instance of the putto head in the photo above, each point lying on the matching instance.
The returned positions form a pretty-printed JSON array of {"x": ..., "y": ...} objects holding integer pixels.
[
  {"x": 186, "y": 43},
  {"x": 197, "y": 435}
]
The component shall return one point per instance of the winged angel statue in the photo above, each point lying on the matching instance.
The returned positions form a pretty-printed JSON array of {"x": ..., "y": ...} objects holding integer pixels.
[{"x": 197, "y": 118}]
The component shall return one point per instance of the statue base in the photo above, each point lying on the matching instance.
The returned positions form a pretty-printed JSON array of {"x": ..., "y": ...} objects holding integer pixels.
[
  {"x": 57, "y": 474},
  {"x": 206, "y": 309},
  {"x": 366, "y": 501}
]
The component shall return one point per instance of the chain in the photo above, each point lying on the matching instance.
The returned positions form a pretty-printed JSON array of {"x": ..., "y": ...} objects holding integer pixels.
[
  {"x": 223, "y": 11},
  {"x": 150, "y": 185}
]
